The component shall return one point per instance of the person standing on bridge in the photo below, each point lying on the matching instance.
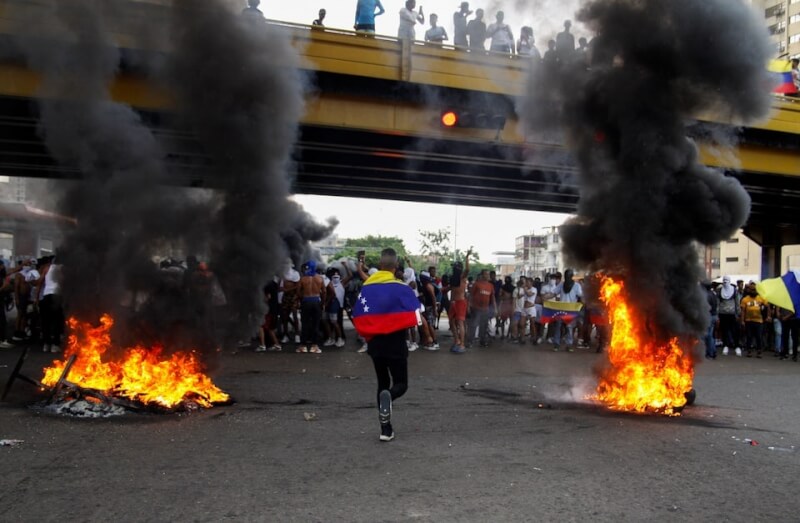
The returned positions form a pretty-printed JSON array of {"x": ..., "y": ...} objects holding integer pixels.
[
  {"x": 501, "y": 35},
  {"x": 366, "y": 11},
  {"x": 436, "y": 34},
  {"x": 408, "y": 19},
  {"x": 252, "y": 13},
  {"x": 476, "y": 31},
  {"x": 320, "y": 22},
  {"x": 385, "y": 309},
  {"x": 460, "y": 25}
]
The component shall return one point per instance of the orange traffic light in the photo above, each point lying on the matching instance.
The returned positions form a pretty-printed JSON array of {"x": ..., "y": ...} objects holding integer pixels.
[{"x": 449, "y": 119}]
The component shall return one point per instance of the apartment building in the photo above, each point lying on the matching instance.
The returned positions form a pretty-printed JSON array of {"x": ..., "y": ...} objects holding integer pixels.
[{"x": 782, "y": 18}]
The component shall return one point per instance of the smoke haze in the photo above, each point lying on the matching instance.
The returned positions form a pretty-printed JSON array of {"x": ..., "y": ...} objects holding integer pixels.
[
  {"x": 644, "y": 197},
  {"x": 238, "y": 91}
]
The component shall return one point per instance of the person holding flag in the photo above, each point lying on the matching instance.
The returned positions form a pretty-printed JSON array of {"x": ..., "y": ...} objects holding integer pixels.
[
  {"x": 566, "y": 310},
  {"x": 384, "y": 309}
]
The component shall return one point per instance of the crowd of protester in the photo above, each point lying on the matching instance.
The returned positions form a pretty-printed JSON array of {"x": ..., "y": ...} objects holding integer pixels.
[
  {"x": 469, "y": 34},
  {"x": 32, "y": 287},
  {"x": 307, "y": 308}
]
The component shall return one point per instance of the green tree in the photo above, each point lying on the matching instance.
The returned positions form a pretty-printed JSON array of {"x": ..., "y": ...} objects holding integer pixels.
[
  {"x": 436, "y": 245},
  {"x": 372, "y": 245}
]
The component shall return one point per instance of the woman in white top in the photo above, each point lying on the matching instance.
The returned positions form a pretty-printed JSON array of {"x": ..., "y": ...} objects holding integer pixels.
[
  {"x": 51, "y": 307},
  {"x": 408, "y": 19}
]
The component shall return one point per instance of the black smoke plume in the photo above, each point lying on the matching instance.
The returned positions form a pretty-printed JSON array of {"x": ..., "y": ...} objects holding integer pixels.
[
  {"x": 239, "y": 92},
  {"x": 644, "y": 197}
]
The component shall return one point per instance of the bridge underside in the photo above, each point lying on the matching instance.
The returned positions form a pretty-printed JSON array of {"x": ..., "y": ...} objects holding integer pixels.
[{"x": 345, "y": 162}]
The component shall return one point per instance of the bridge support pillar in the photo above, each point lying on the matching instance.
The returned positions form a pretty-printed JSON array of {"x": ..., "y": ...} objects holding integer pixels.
[{"x": 770, "y": 261}]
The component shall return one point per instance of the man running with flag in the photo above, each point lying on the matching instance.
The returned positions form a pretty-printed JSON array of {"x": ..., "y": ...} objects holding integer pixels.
[{"x": 383, "y": 312}]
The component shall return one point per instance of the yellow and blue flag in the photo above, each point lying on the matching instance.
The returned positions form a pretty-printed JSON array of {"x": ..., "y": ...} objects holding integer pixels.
[
  {"x": 385, "y": 305},
  {"x": 560, "y": 310},
  {"x": 783, "y": 292}
]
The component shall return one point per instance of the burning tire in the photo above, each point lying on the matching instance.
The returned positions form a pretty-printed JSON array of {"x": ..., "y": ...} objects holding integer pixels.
[{"x": 690, "y": 397}]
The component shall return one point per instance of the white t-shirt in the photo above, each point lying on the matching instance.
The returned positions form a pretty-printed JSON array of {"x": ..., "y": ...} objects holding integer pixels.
[
  {"x": 519, "y": 299},
  {"x": 51, "y": 280},
  {"x": 408, "y": 19},
  {"x": 501, "y": 35},
  {"x": 572, "y": 296}
]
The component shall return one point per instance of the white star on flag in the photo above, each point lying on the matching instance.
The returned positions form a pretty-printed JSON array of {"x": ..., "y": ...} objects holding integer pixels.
[
  {"x": 363, "y": 301},
  {"x": 366, "y": 309}
]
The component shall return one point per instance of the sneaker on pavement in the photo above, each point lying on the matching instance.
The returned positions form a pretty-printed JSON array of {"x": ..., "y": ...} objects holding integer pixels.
[
  {"x": 412, "y": 347},
  {"x": 363, "y": 348},
  {"x": 570, "y": 349},
  {"x": 285, "y": 339},
  {"x": 46, "y": 347},
  {"x": 301, "y": 349},
  {"x": 261, "y": 348},
  {"x": 5, "y": 345},
  {"x": 329, "y": 342},
  {"x": 339, "y": 343},
  {"x": 725, "y": 351},
  {"x": 458, "y": 349},
  {"x": 387, "y": 434},
  {"x": 738, "y": 351},
  {"x": 275, "y": 348},
  {"x": 385, "y": 407},
  {"x": 556, "y": 348},
  {"x": 296, "y": 338},
  {"x": 538, "y": 341},
  {"x": 435, "y": 346},
  {"x": 315, "y": 349}
]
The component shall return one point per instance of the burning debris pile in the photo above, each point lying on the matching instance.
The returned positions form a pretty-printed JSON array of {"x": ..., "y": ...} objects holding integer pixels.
[
  {"x": 140, "y": 376},
  {"x": 644, "y": 197}
]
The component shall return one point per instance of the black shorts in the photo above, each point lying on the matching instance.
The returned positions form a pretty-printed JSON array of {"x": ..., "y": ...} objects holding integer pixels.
[{"x": 365, "y": 27}]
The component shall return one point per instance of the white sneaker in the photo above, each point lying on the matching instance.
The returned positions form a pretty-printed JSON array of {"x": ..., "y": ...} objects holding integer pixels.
[
  {"x": 285, "y": 339},
  {"x": 363, "y": 348},
  {"x": 328, "y": 342},
  {"x": 725, "y": 351},
  {"x": 46, "y": 347},
  {"x": 296, "y": 338},
  {"x": 738, "y": 352},
  {"x": 435, "y": 346},
  {"x": 412, "y": 347},
  {"x": 339, "y": 343},
  {"x": 55, "y": 348},
  {"x": 538, "y": 341},
  {"x": 261, "y": 348},
  {"x": 5, "y": 345}
]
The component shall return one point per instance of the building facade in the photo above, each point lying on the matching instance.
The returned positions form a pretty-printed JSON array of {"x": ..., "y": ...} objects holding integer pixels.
[
  {"x": 538, "y": 254},
  {"x": 782, "y": 18}
]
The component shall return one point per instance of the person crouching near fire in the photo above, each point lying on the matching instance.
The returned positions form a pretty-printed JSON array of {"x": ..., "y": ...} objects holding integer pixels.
[
  {"x": 312, "y": 296},
  {"x": 384, "y": 309}
]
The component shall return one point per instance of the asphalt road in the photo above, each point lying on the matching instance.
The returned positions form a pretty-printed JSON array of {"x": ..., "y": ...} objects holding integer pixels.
[{"x": 497, "y": 434}]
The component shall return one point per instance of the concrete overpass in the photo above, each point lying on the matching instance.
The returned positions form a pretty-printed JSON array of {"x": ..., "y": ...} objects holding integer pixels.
[{"x": 372, "y": 129}]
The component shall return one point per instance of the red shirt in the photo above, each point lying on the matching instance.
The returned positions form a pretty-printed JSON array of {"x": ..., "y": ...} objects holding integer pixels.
[{"x": 482, "y": 292}]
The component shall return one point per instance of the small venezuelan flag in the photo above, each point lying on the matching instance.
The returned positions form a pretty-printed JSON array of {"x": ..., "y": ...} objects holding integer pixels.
[
  {"x": 385, "y": 305},
  {"x": 782, "y": 71},
  {"x": 560, "y": 310}
]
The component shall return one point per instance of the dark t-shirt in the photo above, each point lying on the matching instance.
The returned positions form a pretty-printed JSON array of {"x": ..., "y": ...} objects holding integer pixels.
[
  {"x": 476, "y": 30},
  {"x": 392, "y": 345}
]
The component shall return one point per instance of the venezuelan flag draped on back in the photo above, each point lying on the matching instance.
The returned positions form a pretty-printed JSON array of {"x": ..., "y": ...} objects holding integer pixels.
[
  {"x": 782, "y": 72},
  {"x": 783, "y": 292},
  {"x": 560, "y": 310},
  {"x": 385, "y": 305}
]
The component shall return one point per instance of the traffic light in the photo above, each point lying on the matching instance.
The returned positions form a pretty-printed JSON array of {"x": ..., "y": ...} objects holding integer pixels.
[{"x": 472, "y": 119}]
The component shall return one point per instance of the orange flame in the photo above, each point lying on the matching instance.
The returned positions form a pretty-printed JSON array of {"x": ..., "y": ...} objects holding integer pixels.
[
  {"x": 142, "y": 375},
  {"x": 643, "y": 376}
]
